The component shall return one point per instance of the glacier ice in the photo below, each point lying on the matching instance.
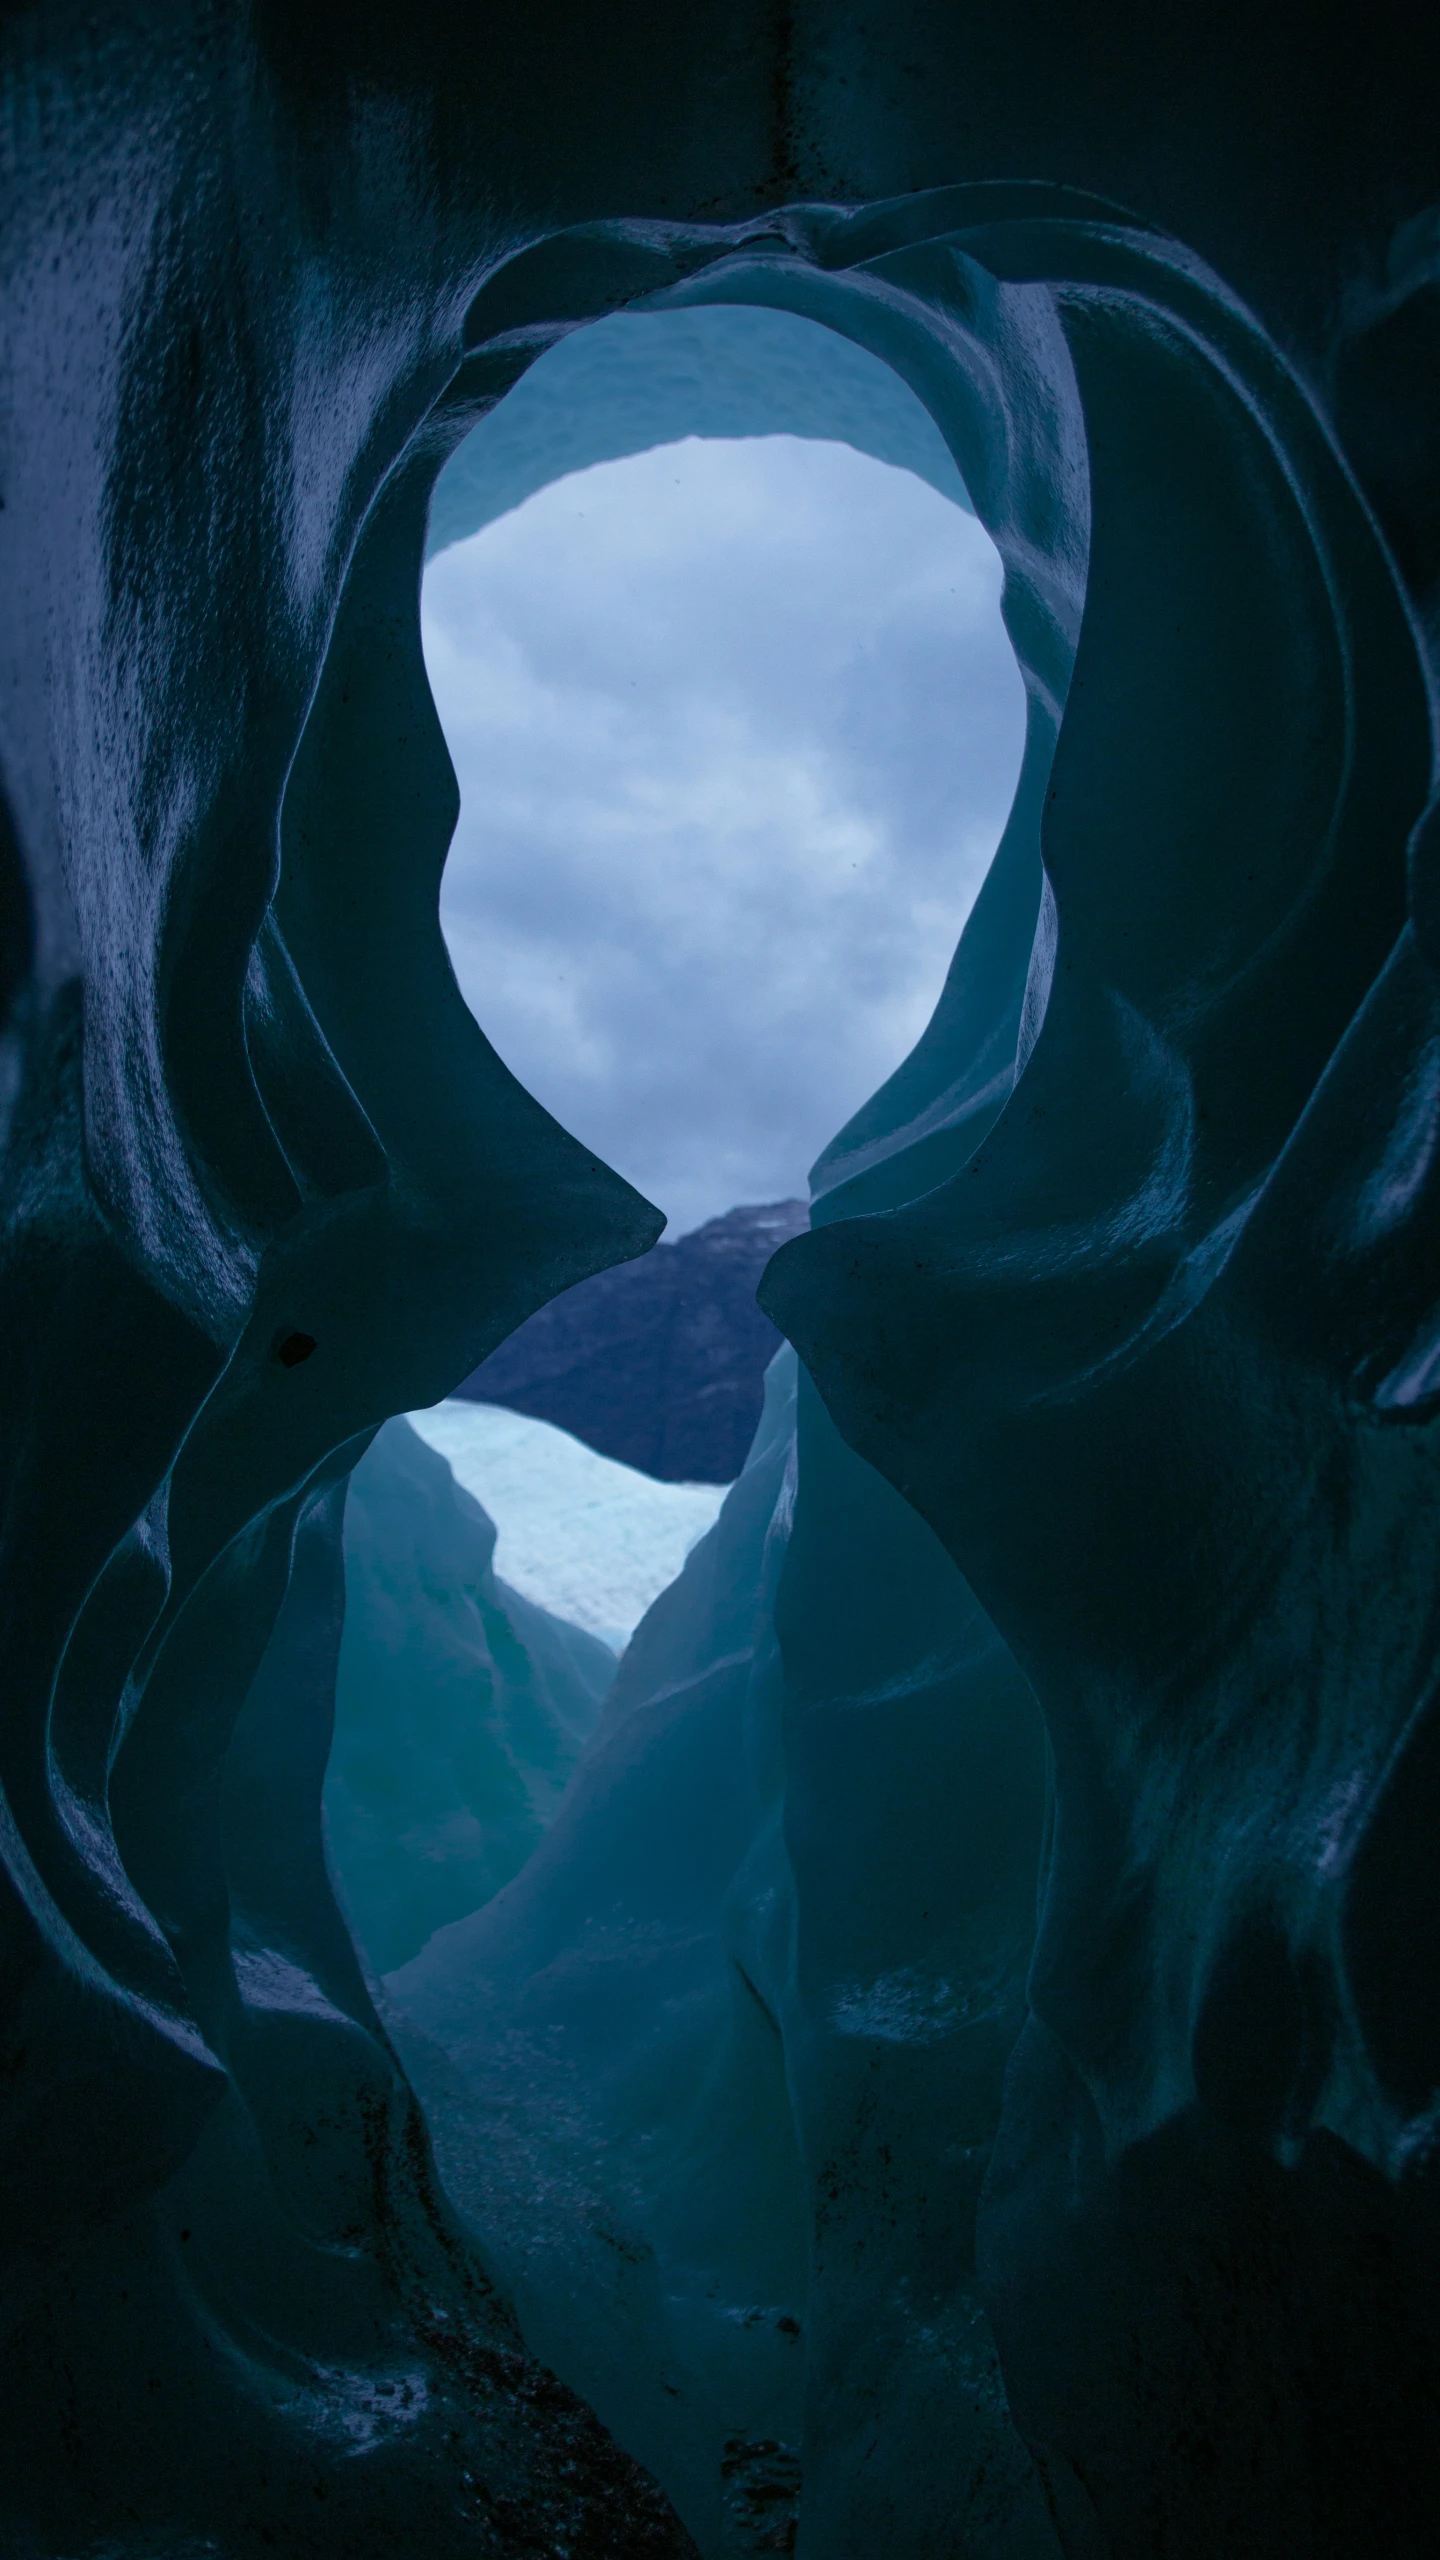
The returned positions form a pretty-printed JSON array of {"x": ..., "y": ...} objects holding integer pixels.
[
  {"x": 1123, "y": 1290},
  {"x": 584, "y": 1535},
  {"x": 626, "y": 385},
  {"x": 471, "y": 1670},
  {"x": 728, "y": 2004},
  {"x": 460, "y": 1705},
  {"x": 642, "y": 2196}
]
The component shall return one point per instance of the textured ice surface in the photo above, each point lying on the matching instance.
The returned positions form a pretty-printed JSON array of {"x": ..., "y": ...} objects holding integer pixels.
[
  {"x": 1127, "y": 1282},
  {"x": 583, "y": 1535},
  {"x": 460, "y": 1706},
  {"x": 641, "y": 2189},
  {"x": 713, "y": 2080},
  {"x": 625, "y": 385}
]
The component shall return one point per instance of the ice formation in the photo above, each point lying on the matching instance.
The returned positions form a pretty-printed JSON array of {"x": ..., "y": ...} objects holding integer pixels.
[
  {"x": 1119, "y": 1303},
  {"x": 460, "y": 1705},
  {"x": 625, "y": 385},
  {"x": 736, "y": 2033}
]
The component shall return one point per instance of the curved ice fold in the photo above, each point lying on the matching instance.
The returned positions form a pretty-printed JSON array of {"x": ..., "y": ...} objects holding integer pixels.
[
  {"x": 261, "y": 278},
  {"x": 658, "y": 2097},
  {"x": 460, "y": 1706},
  {"x": 730, "y": 370}
]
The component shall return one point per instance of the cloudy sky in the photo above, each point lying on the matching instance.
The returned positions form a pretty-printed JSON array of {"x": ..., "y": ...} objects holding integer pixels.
[{"x": 736, "y": 727}]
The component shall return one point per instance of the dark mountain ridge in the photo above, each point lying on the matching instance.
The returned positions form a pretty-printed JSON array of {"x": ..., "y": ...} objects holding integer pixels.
[{"x": 658, "y": 1362}]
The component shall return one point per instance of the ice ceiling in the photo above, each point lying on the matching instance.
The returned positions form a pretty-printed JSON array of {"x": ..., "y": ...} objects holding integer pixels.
[{"x": 1025, "y": 1804}]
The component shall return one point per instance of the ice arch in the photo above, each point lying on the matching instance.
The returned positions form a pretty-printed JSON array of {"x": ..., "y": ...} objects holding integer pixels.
[
  {"x": 725, "y": 369},
  {"x": 262, "y": 278},
  {"x": 843, "y": 1986},
  {"x": 631, "y": 2013},
  {"x": 360, "y": 1216}
]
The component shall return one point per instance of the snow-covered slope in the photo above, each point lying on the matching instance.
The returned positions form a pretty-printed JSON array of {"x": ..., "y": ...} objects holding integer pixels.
[{"x": 588, "y": 1538}]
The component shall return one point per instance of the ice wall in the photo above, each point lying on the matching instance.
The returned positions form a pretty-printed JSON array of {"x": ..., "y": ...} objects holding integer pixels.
[
  {"x": 1155, "y": 1362},
  {"x": 612, "y": 2017},
  {"x": 1146, "y": 1331},
  {"x": 460, "y": 1707},
  {"x": 715, "y": 2079}
]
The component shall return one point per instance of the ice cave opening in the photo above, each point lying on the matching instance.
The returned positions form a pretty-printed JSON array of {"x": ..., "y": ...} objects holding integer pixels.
[
  {"x": 736, "y": 726},
  {"x": 716, "y": 643}
]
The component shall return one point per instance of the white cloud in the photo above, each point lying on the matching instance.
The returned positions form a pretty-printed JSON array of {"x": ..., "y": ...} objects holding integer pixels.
[{"x": 736, "y": 728}]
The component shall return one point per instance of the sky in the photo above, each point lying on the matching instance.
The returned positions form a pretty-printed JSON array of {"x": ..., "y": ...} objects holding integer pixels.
[{"x": 736, "y": 727}]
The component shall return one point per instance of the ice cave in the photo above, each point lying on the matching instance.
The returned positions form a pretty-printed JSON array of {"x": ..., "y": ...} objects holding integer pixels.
[{"x": 934, "y": 2057}]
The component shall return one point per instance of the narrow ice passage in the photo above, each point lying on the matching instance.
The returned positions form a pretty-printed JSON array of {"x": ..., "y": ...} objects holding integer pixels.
[
  {"x": 655, "y": 905},
  {"x": 940, "y": 2050}
]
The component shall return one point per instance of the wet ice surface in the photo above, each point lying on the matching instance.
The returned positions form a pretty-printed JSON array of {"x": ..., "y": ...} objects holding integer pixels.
[{"x": 586, "y": 1537}]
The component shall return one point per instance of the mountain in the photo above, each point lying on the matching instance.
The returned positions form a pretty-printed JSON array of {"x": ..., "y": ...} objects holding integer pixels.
[{"x": 659, "y": 1362}]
